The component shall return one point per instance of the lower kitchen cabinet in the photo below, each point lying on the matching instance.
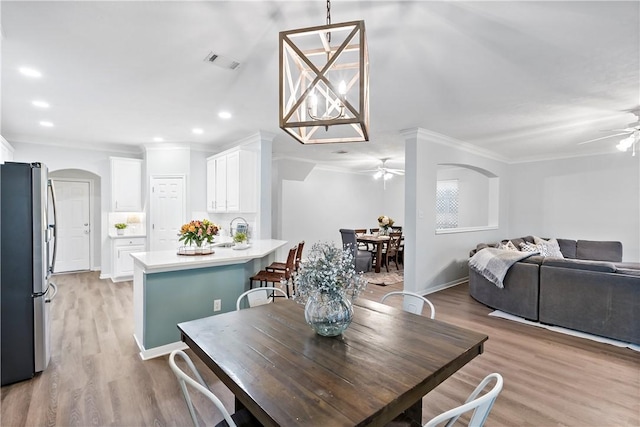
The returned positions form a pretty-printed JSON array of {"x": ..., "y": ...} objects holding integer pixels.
[{"x": 121, "y": 256}]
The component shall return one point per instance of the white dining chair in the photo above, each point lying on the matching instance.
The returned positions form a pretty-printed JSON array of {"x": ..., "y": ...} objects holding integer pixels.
[
  {"x": 259, "y": 296},
  {"x": 413, "y": 303},
  {"x": 480, "y": 405},
  {"x": 199, "y": 385}
]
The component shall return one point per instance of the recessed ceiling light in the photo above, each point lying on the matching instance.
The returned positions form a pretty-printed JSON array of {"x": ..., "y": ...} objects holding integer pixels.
[
  {"x": 30, "y": 72},
  {"x": 224, "y": 115},
  {"x": 158, "y": 139},
  {"x": 197, "y": 131},
  {"x": 40, "y": 104},
  {"x": 46, "y": 124}
]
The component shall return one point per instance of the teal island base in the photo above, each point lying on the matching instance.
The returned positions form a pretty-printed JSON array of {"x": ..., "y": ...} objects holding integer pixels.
[{"x": 169, "y": 289}]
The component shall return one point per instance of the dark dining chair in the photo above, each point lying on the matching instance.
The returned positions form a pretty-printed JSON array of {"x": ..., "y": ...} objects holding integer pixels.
[
  {"x": 392, "y": 250},
  {"x": 362, "y": 259},
  {"x": 361, "y": 245}
]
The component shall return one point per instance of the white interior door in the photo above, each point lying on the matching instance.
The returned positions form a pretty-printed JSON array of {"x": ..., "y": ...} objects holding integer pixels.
[
  {"x": 73, "y": 225},
  {"x": 167, "y": 211}
]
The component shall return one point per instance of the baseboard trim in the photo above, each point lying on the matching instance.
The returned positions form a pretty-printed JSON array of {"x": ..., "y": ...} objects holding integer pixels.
[
  {"x": 444, "y": 286},
  {"x": 104, "y": 276},
  {"x": 152, "y": 353}
]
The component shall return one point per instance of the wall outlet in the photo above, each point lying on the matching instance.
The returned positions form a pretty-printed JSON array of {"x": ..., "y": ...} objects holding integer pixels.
[{"x": 217, "y": 305}]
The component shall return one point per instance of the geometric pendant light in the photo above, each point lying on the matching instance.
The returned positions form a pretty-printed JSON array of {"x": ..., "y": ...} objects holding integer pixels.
[{"x": 324, "y": 83}]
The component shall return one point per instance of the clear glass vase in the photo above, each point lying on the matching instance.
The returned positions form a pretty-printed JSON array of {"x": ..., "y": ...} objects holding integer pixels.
[{"x": 328, "y": 314}]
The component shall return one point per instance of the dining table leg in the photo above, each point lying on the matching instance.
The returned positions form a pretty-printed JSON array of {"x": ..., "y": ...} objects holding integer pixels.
[{"x": 378, "y": 256}]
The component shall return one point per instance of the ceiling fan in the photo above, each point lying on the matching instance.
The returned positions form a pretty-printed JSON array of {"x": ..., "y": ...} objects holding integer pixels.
[
  {"x": 631, "y": 135},
  {"x": 384, "y": 172}
]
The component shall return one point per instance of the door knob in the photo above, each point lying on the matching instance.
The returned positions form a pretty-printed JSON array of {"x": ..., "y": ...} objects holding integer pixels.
[{"x": 86, "y": 223}]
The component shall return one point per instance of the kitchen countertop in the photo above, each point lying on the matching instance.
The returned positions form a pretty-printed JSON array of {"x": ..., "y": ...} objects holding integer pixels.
[
  {"x": 126, "y": 236},
  {"x": 161, "y": 261}
]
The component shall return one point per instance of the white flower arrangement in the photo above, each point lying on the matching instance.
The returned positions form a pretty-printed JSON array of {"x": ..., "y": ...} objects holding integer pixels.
[
  {"x": 328, "y": 270},
  {"x": 385, "y": 221}
]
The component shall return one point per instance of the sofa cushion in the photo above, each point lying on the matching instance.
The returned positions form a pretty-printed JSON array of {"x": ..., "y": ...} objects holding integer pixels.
[
  {"x": 567, "y": 247},
  {"x": 599, "y": 250},
  {"x": 519, "y": 240},
  {"x": 548, "y": 247},
  {"x": 580, "y": 264},
  {"x": 529, "y": 247},
  {"x": 509, "y": 246}
]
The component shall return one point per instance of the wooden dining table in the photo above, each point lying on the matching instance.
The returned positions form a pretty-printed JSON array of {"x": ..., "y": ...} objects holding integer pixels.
[
  {"x": 285, "y": 374},
  {"x": 377, "y": 241}
]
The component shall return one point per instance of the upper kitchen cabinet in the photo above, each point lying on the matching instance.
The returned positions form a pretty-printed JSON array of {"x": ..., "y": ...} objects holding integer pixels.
[
  {"x": 126, "y": 185},
  {"x": 232, "y": 181}
]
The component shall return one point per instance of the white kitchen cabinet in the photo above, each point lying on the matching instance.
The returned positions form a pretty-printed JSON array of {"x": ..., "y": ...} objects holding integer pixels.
[
  {"x": 220, "y": 200},
  {"x": 211, "y": 188},
  {"x": 122, "y": 261},
  {"x": 126, "y": 185},
  {"x": 232, "y": 181}
]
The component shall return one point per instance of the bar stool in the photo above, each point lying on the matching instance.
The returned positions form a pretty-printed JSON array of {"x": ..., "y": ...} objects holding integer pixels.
[{"x": 265, "y": 277}]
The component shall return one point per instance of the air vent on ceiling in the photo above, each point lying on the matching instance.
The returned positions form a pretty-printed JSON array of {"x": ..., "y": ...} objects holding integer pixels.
[{"x": 222, "y": 61}]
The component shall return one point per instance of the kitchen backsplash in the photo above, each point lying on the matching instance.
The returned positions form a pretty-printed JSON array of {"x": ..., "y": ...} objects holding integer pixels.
[{"x": 136, "y": 221}]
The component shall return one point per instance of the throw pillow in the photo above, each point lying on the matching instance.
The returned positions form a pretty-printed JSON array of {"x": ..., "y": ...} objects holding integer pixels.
[
  {"x": 509, "y": 246},
  {"x": 529, "y": 247},
  {"x": 548, "y": 247}
]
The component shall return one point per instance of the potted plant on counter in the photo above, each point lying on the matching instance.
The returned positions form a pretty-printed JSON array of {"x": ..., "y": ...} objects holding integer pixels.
[
  {"x": 241, "y": 240},
  {"x": 120, "y": 228}
]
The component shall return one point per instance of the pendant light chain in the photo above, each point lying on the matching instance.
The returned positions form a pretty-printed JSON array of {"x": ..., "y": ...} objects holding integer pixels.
[{"x": 328, "y": 19}]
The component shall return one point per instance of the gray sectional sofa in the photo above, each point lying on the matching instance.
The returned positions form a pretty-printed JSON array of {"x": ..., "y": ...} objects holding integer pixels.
[{"x": 589, "y": 290}]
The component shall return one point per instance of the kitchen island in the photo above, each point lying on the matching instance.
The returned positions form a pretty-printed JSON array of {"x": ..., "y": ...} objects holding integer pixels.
[{"x": 169, "y": 288}]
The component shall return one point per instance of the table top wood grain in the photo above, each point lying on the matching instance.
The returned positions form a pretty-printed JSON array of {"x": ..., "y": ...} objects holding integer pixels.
[{"x": 285, "y": 374}]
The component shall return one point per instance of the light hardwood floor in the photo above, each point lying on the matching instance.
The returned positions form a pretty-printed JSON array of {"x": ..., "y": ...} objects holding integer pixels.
[{"x": 96, "y": 377}]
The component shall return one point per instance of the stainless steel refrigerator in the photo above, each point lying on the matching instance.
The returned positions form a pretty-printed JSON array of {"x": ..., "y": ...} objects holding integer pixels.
[{"x": 27, "y": 255}]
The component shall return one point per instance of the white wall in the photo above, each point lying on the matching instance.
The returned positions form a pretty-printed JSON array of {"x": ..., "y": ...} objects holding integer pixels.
[
  {"x": 198, "y": 184},
  {"x": 590, "y": 198},
  {"x": 392, "y": 199},
  {"x": 435, "y": 261},
  {"x": 316, "y": 206},
  {"x": 6, "y": 151}
]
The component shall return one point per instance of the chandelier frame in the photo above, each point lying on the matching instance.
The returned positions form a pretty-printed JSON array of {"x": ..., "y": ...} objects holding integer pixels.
[{"x": 301, "y": 79}]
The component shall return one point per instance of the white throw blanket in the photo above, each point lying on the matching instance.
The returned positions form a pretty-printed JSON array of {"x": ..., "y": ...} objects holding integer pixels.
[{"x": 494, "y": 263}]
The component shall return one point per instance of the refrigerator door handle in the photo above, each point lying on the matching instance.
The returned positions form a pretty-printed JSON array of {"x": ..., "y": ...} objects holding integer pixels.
[
  {"x": 53, "y": 226},
  {"x": 55, "y": 292}
]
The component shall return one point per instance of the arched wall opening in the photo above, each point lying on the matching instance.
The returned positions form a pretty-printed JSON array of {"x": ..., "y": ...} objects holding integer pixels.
[{"x": 467, "y": 198}]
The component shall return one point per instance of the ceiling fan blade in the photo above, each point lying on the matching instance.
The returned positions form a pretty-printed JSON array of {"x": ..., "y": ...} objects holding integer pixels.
[{"x": 604, "y": 137}]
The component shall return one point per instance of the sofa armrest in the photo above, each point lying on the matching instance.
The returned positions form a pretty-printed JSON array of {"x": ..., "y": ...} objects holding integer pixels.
[{"x": 519, "y": 295}]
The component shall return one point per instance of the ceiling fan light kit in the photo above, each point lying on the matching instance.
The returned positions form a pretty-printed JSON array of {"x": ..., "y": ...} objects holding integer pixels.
[
  {"x": 324, "y": 83},
  {"x": 631, "y": 135}
]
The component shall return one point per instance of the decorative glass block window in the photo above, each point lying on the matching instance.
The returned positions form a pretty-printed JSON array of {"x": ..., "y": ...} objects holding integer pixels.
[{"x": 447, "y": 204}]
